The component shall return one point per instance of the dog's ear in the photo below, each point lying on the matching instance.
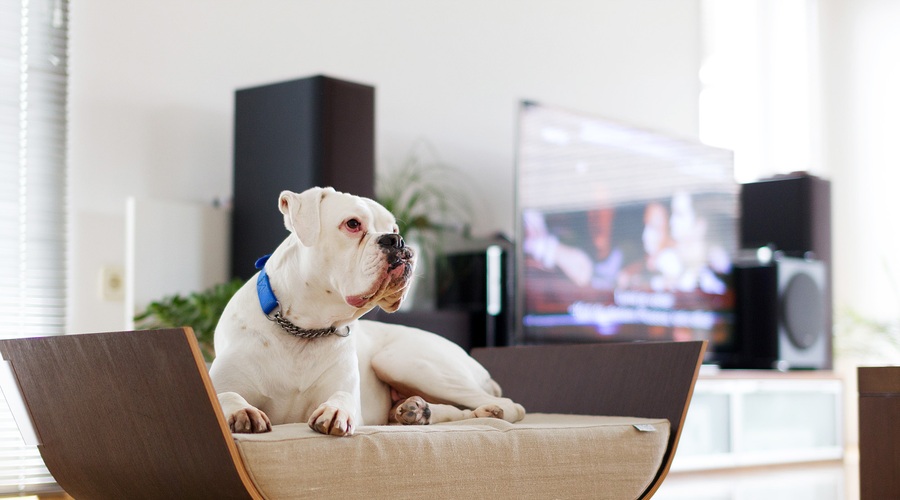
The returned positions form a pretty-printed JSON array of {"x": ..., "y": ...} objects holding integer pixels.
[{"x": 301, "y": 213}]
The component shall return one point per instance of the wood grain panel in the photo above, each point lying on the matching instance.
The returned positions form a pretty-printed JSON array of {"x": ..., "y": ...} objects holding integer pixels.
[
  {"x": 879, "y": 437},
  {"x": 105, "y": 432},
  {"x": 876, "y": 381},
  {"x": 645, "y": 379}
]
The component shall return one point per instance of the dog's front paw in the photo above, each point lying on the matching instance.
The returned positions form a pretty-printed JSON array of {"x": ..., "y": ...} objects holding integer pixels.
[
  {"x": 331, "y": 420},
  {"x": 412, "y": 411},
  {"x": 490, "y": 411},
  {"x": 249, "y": 420}
]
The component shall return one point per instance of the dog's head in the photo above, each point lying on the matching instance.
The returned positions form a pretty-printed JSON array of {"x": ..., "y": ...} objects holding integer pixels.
[{"x": 353, "y": 244}]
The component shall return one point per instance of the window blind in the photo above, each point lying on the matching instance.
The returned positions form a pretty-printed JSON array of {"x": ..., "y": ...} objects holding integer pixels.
[{"x": 33, "y": 88}]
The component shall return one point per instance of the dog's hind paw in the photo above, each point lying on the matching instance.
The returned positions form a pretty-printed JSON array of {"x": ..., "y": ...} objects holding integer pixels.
[
  {"x": 489, "y": 411},
  {"x": 249, "y": 420},
  {"x": 411, "y": 411}
]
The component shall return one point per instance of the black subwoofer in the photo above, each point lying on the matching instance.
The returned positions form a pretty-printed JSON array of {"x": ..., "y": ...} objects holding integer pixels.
[{"x": 781, "y": 315}]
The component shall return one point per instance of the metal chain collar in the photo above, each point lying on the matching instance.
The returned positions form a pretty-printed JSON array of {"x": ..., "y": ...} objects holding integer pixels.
[
  {"x": 272, "y": 308},
  {"x": 305, "y": 333}
]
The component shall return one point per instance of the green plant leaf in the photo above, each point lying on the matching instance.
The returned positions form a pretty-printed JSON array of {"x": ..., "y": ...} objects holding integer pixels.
[
  {"x": 199, "y": 310},
  {"x": 427, "y": 197}
]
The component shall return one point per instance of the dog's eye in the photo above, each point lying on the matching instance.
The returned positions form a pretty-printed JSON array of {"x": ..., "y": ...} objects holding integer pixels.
[{"x": 353, "y": 225}]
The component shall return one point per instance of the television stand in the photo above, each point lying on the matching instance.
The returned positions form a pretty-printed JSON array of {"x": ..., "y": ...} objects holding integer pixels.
[{"x": 743, "y": 418}]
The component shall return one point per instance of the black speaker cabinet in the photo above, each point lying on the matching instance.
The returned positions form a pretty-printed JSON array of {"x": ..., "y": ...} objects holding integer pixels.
[
  {"x": 479, "y": 282},
  {"x": 316, "y": 131},
  {"x": 792, "y": 213},
  {"x": 780, "y": 316}
]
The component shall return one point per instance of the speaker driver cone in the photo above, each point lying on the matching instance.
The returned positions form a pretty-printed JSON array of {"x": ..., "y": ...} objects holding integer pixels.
[{"x": 803, "y": 308}]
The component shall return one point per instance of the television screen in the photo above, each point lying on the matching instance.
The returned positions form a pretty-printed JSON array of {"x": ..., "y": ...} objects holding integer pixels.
[{"x": 623, "y": 234}]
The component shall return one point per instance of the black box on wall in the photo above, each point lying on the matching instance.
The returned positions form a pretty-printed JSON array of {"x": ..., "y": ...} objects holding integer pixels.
[{"x": 316, "y": 131}]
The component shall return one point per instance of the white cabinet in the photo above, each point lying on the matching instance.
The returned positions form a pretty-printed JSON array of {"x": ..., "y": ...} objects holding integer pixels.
[{"x": 749, "y": 418}]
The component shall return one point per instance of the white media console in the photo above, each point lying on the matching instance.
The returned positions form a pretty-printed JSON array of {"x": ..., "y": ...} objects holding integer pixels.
[{"x": 752, "y": 418}]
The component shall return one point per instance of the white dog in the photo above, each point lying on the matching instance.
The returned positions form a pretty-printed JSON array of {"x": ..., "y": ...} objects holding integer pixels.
[{"x": 290, "y": 347}]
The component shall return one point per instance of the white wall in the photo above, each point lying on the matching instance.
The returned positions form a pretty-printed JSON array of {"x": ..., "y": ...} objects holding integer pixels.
[
  {"x": 202, "y": 233},
  {"x": 861, "y": 115},
  {"x": 152, "y": 91}
]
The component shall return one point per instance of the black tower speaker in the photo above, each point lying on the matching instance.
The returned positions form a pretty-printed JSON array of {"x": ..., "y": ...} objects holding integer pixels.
[
  {"x": 294, "y": 135},
  {"x": 791, "y": 213},
  {"x": 780, "y": 317}
]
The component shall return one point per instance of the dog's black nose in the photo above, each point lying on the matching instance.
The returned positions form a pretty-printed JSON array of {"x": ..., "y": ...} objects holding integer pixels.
[{"x": 391, "y": 241}]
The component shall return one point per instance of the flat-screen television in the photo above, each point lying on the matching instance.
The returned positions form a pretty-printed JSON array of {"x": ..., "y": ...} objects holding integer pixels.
[{"x": 622, "y": 234}]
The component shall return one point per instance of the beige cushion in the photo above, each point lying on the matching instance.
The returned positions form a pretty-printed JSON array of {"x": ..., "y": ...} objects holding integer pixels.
[{"x": 544, "y": 456}]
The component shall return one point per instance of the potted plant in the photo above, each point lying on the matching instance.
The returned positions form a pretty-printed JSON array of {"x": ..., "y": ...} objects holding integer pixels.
[
  {"x": 865, "y": 339},
  {"x": 429, "y": 201},
  {"x": 198, "y": 310}
]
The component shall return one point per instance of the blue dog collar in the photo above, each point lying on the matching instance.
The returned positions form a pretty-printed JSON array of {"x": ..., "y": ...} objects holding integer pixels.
[
  {"x": 267, "y": 299},
  {"x": 272, "y": 309}
]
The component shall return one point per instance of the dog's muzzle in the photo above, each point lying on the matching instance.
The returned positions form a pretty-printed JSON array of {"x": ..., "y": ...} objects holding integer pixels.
[{"x": 395, "y": 248}]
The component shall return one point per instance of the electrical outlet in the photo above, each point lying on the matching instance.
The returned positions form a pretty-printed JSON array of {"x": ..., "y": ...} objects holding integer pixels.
[{"x": 112, "y": 284}]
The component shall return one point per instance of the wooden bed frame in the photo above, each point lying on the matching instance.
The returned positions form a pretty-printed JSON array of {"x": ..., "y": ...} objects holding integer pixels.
[{"x": 134, "y": 413}]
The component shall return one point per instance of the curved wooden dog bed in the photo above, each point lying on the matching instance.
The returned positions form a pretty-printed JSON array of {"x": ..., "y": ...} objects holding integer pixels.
[{"x": 133, "y": 414}]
